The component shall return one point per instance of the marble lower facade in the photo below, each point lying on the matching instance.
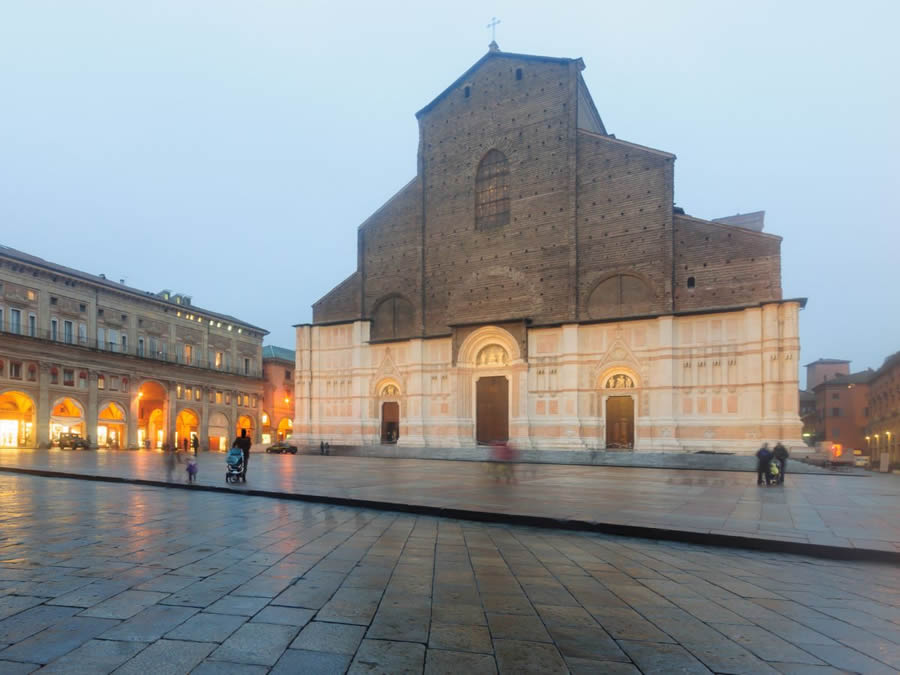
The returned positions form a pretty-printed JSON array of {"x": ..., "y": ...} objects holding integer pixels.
[{"x": 724, "y": 381}]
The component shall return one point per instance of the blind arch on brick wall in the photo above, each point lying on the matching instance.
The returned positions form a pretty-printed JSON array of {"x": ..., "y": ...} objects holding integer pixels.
[
  {"x": 620, "y": 295},
  {"x": 392, "y": 317},
  {"x": 492, "y": 191}
]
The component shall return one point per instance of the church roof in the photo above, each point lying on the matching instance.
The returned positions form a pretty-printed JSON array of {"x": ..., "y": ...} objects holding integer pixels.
[
  {"x": 495, "y": 54},
  {"x": 825, "y": 361}
]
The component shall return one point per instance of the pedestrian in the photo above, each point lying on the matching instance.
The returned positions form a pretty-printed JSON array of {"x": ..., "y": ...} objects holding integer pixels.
[
  {"x": 764, "y": 458},
  {"x": 192, "y": 469},
  {"x": 184, "y": 443},
  {"x": 780, "y": 454},
  {"x": 327, "y": 448},
  {"x": 244, "y": 443},
  {"x": 195, "y": 444},
  {"x": 321, "y": 447}
]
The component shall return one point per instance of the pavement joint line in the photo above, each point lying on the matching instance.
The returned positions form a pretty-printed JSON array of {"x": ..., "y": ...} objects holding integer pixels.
[{"x": 688, "y": 536}]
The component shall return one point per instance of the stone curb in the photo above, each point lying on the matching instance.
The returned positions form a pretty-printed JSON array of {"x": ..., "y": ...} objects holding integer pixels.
[{"x": 640, "y": 531}]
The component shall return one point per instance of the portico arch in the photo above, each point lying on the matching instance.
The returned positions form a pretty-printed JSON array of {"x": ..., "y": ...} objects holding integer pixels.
[
  {"x": 111, "y": 422},
  {"x": 17, "y": 420},
  {"x": 218, "y": 432},
  {"x": 66, "y": 416},
  {"x": 152, "y": 402},
  {"x": 187, "y": 425},
  {"x": 285, "y": 428},
  {"x": 245, "y": 422}
]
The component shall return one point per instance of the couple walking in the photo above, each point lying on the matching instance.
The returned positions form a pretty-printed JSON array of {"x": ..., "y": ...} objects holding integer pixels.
[{"x": 771, "y": 464}]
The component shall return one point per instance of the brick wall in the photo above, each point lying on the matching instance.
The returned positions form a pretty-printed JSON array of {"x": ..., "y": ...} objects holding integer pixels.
[
  {"x": 341, "y": 303},
  {"x": 729, "y": 265},
  {"x": 624, "y": 220}
]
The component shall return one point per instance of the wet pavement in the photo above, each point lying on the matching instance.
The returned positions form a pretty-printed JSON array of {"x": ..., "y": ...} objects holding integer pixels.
[
  {"x": 852, "y": 512},
  {"x": 98, "y": 577}
]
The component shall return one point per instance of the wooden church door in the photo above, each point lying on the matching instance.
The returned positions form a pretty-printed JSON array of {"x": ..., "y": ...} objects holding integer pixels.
[
  {"x": 492, "y": 409},
  {"x": 620, "y": 422}
]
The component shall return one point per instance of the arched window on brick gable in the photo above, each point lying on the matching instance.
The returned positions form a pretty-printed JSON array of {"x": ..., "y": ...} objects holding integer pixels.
[
  {"x": 492, "y": 191},
  {"x": 393, "y": 317},
  {"x": 620, "y": 295}
]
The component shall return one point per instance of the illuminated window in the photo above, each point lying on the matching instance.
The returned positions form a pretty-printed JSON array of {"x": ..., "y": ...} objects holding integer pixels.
[
  {"x": 219, "y": 397},
  {"x": 198, "y": 393},
  {"x": 101, "y": 382},
  {"x": 492, "y": 191},
  {"x": 31, "y": 295},
  {"x": 227, "y": 398},
  {"x": 178, "y": 391}
]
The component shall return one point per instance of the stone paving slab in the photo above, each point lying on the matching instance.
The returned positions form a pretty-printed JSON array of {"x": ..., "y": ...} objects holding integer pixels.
[
  {"x": 449, "y": 595},
  {"x": 827, "y": 514}
]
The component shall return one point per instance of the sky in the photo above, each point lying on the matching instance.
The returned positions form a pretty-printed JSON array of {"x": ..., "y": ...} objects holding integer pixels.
[{"x": 229, "y": 150}]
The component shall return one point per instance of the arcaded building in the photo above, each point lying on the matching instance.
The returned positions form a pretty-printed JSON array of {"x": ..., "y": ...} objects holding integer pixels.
[
  {"x": 121, "y": 367},
  {"x": 536, "y": 282}
]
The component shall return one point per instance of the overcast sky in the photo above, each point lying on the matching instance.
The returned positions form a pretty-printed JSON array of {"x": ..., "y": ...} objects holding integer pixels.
[{"x": 229, "y": 150}]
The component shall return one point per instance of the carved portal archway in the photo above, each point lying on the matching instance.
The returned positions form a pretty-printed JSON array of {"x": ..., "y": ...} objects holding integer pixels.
[{"x": 619, "y": 389}]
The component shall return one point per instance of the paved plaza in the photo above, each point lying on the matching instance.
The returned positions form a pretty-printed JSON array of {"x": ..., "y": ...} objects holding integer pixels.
[
  {"x": 844, "y": 511},
  {"x": 99, "y": 577}
]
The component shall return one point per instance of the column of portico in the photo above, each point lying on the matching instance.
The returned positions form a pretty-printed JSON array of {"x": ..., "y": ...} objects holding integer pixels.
[
  {"x": 170, "y": 414},
  {"x": 134, "y": 411},
  {"x": 234, "y": 417},
  {"x": 259, "y": 413},
  {"x": 42, "y": 433},
  {"x": 203, "y": 431},
  {"x": 92, "y": 409}
]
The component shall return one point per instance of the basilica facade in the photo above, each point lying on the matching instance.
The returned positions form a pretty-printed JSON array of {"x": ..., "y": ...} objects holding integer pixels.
[{"x": 536, "y": 283}]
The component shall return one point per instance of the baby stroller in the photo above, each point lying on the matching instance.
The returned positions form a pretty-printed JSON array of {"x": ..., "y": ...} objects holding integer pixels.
[
  {"x": 234, "y": 466},
  {"x": 772, "y": 477}
]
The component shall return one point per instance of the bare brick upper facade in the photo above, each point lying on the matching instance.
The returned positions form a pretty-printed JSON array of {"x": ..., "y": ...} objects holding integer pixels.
[{"x": 586, "y": 229}]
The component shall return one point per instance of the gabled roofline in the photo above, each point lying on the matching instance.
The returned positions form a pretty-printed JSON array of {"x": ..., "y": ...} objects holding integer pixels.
[
  {"x": 483, "y": 59},
  {"x": 387, "y": 203},
  {"x": 629, "y": 144},
  {"x": 725, "y": 226}
]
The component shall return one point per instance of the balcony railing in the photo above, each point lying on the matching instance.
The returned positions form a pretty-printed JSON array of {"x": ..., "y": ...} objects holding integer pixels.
[{"x": 139, "y": 351}]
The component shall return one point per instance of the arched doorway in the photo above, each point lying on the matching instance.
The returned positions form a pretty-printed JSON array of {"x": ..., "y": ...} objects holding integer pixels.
[
  {"x": 16, "y": 420},
  {"x": 111, "y": 426},
  {"x": 492, "y": 396},
  {"x": 187, "y": 425},
  {"x": 389, "y": 394},
  {"x": 619, "y": 411},
  {"x": 285, "y": 428},
  {"x": 66, "y": 417},
  {"x": 245, "y": 422},
  {"x": 152, "y": 401},
  {"x": 218, "y": 432}
]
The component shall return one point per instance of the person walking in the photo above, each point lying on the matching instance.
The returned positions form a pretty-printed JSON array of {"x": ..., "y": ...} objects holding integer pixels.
[
  {"x": 780, "y": 454},
  {"x": 195, "y": 444},
  {"x": 763, "y": 457},
  {"x": 184, "y": 443},
  {"x": 244, "y": 443}
]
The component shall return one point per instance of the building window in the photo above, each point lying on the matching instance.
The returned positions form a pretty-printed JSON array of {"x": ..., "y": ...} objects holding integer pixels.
[
  {"x": 177, "y": 391},
  {"x": 54, "y": 375},
  {"x": 692, "y": 282},
  {"x": 15, "y": 370},
  {"x": 31, "y": 295},
  {"x": 246, "y": 366},
  {"x": 68, "y": 335},
  {"x": 188, "y": 353},
  {"x": 835, "y": 412},
  {"x": 140, "y": 351},
  {"x": 15, "y": 321},
  {"x": 101, "y": 337},
  {"x": 32, "y": 325},
  {"x": 101, "y": 382},
  {"x": 114, "y": 383},
  {"x": 198, "y": 393},
  {"x": 82, "y": 379},
  {"x": 518, "y": 73},
  {"x": 219, "y": 360},
  {"x": 219, "y": 397},
  {"x": 492, "y": 191},
  {"x": 68, "y": 377},
  {"x": 287, "y": 375},
  {"x": 467, "y": 91},
  {"x": 253, "y": 401},
  {"x": 836, "y": 397},
  {"x": 212, "y": 396},
  {"x": 82, "y": 334},
  {"x": 124, "y": 343},
  {"x": 227, "y": 398},
  {"x": 31, "y": 373}
]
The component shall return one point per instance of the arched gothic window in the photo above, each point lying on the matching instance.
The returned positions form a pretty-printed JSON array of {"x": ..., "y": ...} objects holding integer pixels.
[
  {"x": 492, "y": 191},
  {"x": 620, "y": 295}
]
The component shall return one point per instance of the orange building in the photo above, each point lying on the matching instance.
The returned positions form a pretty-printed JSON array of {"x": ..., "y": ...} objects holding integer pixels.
[
  {"x": 842, "y": 409},
  {"x": 883, "y": 426},
  {"x": 278, "y": 394}
]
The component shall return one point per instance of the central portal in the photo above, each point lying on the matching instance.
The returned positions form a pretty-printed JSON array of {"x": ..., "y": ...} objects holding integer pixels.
[
  {"x": 390, "y": 422},
  {"x": 492, "y": 409},
  {"x": 620, "y": 422}
]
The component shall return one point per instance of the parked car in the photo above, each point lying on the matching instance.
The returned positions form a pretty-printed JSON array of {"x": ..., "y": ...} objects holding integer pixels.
[
  {"x": 72, "y": 441},
  {"x": 282, "y": 447}
]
